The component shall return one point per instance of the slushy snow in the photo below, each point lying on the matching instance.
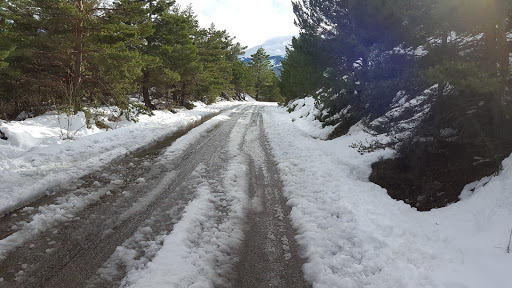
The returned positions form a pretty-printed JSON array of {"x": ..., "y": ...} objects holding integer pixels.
[
  {"x": 35, "y": 159},
  {"x": 352, "y": 234}
]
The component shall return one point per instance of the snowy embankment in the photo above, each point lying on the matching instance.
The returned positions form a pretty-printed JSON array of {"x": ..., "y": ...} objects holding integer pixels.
[
  {"x": 35, "y": 158},
  {"x": 305, "y": 115},
  {"x": 354, "y": 235}
]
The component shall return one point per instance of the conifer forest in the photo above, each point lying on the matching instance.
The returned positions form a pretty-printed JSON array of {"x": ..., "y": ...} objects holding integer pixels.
[
  {"x": 77, "y": 55},
  {"x": 361, "y": 58}
]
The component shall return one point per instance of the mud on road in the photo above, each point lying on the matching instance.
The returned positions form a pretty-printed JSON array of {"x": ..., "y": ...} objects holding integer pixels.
[{"x": 80, "y": 235}]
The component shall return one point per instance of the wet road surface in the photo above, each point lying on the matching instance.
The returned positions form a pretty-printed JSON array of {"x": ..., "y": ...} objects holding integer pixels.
[{"x": 75, "y": 236}]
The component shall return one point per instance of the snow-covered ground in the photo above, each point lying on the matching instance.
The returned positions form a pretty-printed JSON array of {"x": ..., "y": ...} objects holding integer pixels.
[
  {"x": 35, "y": 158},
  {"x": 355, "y": 235},
  {"x": 200, "y": 246},
  {"x": 305, "y": 115},
  {"x": 352, "y": 233}
]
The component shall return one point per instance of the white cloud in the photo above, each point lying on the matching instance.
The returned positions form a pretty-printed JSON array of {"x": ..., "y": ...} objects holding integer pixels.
[{"x": 251, "y": 21}]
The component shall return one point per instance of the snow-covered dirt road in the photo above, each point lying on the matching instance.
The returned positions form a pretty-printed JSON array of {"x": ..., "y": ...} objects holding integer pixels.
[
  {"x": 202, "y": 207},
  {"x": 250, "y": 198}
]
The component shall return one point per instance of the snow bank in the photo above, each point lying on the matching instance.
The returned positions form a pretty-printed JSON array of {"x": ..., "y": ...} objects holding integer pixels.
[
  {"x": 354, "y": 235},
  {"x": 35, "y": 158},
  {"x": 305, "y": 114}
]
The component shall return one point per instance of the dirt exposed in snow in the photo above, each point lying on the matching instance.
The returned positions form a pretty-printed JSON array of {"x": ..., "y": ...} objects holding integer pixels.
[
  {"x": 68, "y": 251},
  {"x": 99, "y": 230},
  {"x": 270, "y": 256}
]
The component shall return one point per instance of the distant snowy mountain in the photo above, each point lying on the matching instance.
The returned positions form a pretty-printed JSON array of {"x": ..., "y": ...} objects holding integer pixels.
[
  {"x": 276, "y": 62},
  {"x": 273, "y": 47}
]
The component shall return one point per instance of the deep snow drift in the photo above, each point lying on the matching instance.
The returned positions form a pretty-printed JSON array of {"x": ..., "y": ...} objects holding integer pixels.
[{"x": 354, "y": 235}]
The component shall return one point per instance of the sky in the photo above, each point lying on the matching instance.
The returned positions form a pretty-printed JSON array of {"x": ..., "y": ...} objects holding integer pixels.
[{"x": 250, "y": 21}]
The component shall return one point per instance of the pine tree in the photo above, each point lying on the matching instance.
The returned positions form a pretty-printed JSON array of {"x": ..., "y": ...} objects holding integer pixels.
[
  {"x": 303, "y": 67},
  {"x": 373, "y": 45},
  {"x": 144, "y": 15},
  {"x": 467, "y": 63},
  {"x": 6, "y": 43},
  {"x": 271, "y": 91},
  {"x": 176, "y": 30},
  {"x": 11, "y": 101},
  {"x": 243, "y": 80},
  {"x": 54, "y": 35},
  {"x": 261, "y": 68},
  {"x": 68, "y": 54},
  {"x": 214, "y": 52},
  {"x": 355, "y": 36}
]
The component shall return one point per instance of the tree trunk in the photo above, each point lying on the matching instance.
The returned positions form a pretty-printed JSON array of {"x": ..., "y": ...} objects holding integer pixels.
[
  {"x": 436, "y": 108},
  {"x": 145, "y": 91},
  {"x": 502, "y": 43},
  {"x": 174, "y": 94},
  {"x": 79, "y": 51},
  {"x": 183, "y": 94},
  {"x": 491, "y": 49},
  {"x": 502, "y": 57},
  {"x": 490, "y": 38}
]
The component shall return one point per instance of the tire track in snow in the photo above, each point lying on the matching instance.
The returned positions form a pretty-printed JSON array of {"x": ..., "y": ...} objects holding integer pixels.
[
  {"x": 236, "y": 232},
  {"x": 68, "y": 254},
  {"x": 270, "y": 256},
  {"x": 202, "y": 249}
]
